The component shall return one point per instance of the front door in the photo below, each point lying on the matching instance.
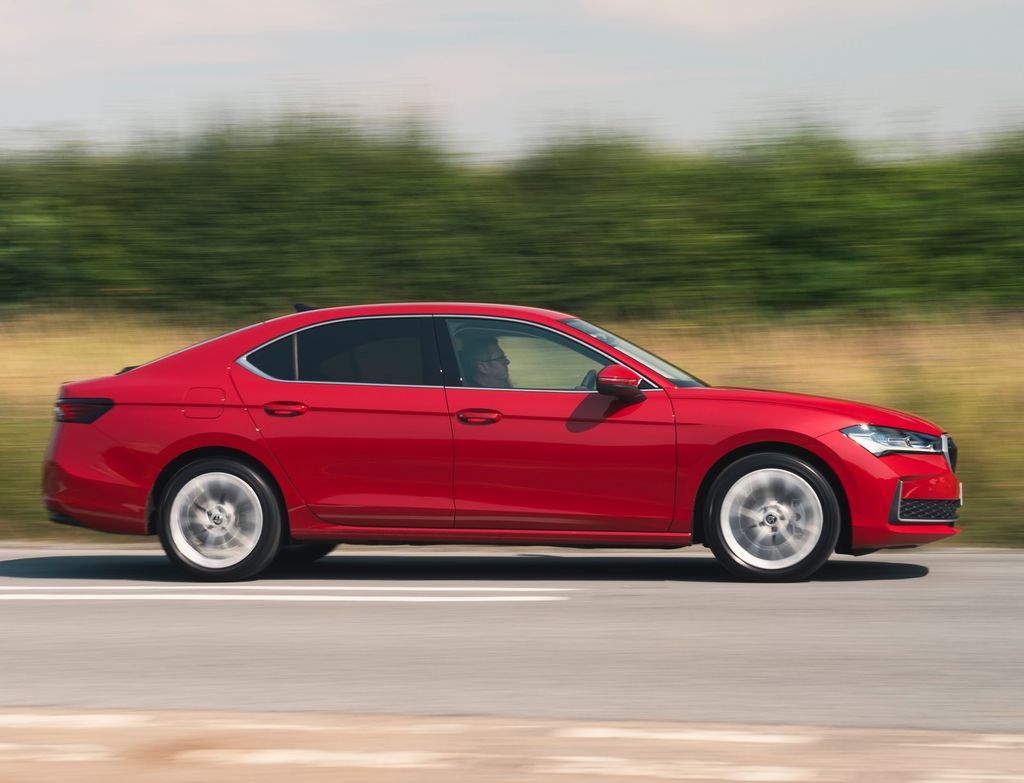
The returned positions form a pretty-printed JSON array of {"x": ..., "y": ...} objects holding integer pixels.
[
  {"x": 536, "y": 447},
  {"x": 355, "y": 413}
]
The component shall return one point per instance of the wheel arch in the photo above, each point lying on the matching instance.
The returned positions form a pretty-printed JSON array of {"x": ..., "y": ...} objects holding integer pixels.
[
  {"x": 192, "y": 455},
  {"x": 843, "y": 546}
]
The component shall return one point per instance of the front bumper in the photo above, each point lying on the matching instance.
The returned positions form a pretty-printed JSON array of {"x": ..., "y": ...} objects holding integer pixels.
[{"x": 882, "y": 492}]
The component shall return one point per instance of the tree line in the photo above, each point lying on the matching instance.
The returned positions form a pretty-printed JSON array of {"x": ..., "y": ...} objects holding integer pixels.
[{"x": 311, "y": 209}]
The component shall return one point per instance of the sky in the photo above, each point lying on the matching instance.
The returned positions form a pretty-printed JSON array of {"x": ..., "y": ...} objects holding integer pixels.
[{"x": 493, "y": 78}]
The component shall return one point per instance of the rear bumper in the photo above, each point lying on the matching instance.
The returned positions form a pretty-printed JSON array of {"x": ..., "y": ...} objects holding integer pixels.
[
  {"x": 63, "y": 519},
  {"x": 83, "y": 481}
]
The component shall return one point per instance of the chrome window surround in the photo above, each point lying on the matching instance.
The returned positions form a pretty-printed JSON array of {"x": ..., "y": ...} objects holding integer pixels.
[{"x": 243, "y": 360}]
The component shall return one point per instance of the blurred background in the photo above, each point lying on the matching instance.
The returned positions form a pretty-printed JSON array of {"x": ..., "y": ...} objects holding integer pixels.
[{"x": 817, "y": 197}]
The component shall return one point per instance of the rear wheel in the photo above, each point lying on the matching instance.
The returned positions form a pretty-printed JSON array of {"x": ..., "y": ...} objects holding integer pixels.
[
  {"x": 220, "y": 520},
  {"x": 772, "y": 517}
]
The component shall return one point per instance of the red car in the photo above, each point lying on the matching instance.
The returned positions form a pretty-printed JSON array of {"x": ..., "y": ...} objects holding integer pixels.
[{"x": 480, "y": 424}]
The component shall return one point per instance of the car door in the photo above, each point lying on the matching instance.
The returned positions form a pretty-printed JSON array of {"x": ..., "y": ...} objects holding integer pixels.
[
  {"x": 355, "y": 412},
  {"x": 537, "y": 448}
]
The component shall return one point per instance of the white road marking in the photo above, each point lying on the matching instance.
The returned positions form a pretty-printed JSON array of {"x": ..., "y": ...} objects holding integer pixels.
[
  {"x": 10, "y": 751},
  {"x": 318, "y": 758},
  {"x": 421, "y": 599},
  {"x": 669, "y": 769},
  {"x": 287, "y": 588},
  {"x": 692, "y": 735},
  {"x": 28, "y": 720}
]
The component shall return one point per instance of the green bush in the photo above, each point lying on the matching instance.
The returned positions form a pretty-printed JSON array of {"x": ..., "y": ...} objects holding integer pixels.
[{"x": 250, "y": 219}]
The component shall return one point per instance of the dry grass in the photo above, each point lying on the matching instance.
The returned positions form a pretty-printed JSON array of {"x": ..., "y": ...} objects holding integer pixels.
[
  {"x": 968, "y": 377},
  {"x": 42, "y": 351}
]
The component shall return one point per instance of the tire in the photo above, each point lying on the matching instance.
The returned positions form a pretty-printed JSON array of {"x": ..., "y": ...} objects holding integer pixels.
[
  {"x": 772, "y": 517},
  {"x": 219, "y": 520},
  {"x": 303, "y": 552}
]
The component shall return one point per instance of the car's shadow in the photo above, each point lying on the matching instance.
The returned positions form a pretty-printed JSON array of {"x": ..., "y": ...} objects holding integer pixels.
[{"x": 527, "y": 567}]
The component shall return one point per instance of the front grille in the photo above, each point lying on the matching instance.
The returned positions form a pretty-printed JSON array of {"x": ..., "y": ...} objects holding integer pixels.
[
  {"x": 951, "y": 450},
  {"x": 928, "y": 510}
]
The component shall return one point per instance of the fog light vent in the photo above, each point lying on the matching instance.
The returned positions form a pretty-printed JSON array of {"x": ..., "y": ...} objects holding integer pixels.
[{"x": 928, "y": 510}]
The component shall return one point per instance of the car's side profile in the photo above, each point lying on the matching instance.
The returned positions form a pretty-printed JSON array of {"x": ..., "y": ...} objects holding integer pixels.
[{"x": 480, "y": 424}]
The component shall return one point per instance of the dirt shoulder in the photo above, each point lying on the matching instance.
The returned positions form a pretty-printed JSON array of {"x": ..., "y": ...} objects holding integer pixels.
[{"x": 48, "y": 745}]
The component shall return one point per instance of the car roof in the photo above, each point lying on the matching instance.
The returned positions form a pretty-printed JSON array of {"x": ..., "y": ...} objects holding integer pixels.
[
  {"x": 418, "y": 308},
  {"x": 249, "y": 338}
]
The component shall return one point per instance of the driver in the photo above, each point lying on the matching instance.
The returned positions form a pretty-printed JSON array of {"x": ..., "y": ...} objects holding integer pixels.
[{"x": 485, "y": 363}]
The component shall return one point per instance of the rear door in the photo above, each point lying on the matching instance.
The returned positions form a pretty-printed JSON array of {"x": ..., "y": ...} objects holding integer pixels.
[{"x": 355, "y": 412}]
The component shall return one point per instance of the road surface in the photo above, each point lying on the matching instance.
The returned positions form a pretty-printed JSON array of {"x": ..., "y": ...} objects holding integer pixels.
[{"x": 903, "y": 641}]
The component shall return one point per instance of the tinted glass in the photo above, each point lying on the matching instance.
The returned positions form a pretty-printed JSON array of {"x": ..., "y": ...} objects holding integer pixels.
[
  {"x": 509, "y": 355},
  {"x": 276, "y": 360},
  {"x": 371, "y": 350},
  {"x": 393, "y": 351}
]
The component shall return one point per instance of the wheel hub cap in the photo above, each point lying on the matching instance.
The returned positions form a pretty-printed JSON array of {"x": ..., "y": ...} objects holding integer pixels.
[
  {"x": 216, "y": 520},
  {"x": 771, "y": 519}
]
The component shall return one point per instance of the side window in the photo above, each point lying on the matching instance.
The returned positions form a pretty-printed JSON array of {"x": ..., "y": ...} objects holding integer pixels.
[
  {"x": 509, "y": 355},
  {"x": 392, "y": 351},
  {"x": 276, "y": 360}
]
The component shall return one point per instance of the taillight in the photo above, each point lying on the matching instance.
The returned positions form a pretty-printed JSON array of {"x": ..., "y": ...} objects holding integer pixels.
[{"x": 81, "y": 410}]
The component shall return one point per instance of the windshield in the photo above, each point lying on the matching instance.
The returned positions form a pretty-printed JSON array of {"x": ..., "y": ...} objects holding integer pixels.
[{"x": 665, "y": 369}]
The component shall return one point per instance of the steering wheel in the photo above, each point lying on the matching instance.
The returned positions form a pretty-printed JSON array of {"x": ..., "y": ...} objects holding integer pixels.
[{"x": 589, "y": 382}]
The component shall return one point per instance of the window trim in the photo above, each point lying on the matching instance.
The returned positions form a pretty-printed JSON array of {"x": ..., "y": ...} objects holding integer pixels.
[
  {"x": 243, "y": 360},
  {"x": 442, "y": 353}
]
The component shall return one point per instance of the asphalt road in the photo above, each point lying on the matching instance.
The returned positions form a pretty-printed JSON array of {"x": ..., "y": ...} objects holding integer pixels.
[{"x": 906, "y": 639}]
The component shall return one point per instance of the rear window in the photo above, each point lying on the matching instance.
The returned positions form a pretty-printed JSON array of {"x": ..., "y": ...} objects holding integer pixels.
[{"x": 386, "y": 351}]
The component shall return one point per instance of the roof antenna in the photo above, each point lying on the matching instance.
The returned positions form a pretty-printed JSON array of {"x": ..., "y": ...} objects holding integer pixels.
[{"x": 302, "y": 308}]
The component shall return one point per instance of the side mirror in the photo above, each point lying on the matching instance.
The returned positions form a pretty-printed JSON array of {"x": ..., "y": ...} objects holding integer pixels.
[{"x": 619, "y": 382}]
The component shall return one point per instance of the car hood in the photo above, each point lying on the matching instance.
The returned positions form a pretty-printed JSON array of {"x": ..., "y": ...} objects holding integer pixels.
[{"x": 856, "y": 412}]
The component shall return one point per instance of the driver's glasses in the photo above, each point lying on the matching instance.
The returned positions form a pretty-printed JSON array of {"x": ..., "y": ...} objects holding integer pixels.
[{"x": 500, "y": 358}]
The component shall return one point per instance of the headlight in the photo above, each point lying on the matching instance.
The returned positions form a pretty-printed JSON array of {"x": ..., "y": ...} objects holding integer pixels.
[{"x": 889, "y": 440}]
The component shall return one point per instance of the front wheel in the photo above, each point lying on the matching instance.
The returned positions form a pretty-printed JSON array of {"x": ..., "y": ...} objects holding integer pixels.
[
  {"x": 220, "y": 520},
  {"x": 772, "y": 517}
]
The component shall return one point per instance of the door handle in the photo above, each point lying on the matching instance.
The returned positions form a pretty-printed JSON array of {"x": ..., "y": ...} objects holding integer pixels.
[
  {"x": 285, "y": 409},
  {"x": 478, "y": 416}
]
